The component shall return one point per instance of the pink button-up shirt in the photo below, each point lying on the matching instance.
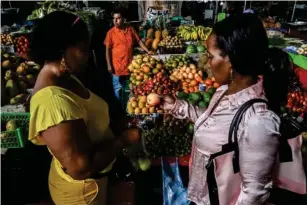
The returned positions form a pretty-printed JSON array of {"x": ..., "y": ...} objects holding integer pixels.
[{"x": 258, "y": 144}]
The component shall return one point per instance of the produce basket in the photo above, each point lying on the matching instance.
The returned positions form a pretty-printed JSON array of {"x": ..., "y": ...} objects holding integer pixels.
[{"x": 15, "y": 138}]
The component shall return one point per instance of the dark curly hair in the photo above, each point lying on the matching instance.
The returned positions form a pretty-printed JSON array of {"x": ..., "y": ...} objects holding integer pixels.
[{"x": 54, "y": 34}]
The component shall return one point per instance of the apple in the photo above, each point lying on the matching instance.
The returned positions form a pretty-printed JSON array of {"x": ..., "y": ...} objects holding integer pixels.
[{"x": 153, "y": 99}]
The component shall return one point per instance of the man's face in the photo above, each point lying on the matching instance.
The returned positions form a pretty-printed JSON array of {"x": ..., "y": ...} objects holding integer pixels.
[{"x": 118, "y": 20}]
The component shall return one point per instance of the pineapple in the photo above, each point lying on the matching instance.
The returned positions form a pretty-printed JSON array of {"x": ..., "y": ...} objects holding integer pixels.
[{"x": 164, "y": 33}]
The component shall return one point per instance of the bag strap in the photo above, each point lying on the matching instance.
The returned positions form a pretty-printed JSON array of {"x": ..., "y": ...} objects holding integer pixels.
[{"x": 233, "y": 130}]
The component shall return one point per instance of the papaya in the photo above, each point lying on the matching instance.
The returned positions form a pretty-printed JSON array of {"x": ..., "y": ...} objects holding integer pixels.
[
  {"x": 148, "y": 42},
  {"x": 155, "y": 44},
  {"x": 158, "y": 34}
]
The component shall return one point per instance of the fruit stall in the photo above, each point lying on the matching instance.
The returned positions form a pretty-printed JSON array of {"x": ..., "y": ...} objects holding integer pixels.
[{"x": 179, "y": 68}]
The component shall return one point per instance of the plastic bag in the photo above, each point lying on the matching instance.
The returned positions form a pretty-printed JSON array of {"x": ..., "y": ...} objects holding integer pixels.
[{"x": 173, "y": 191}]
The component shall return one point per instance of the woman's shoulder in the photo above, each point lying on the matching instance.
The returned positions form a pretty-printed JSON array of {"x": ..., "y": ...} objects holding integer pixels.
[
  {"x": 49, "y": 92},
  {"x": 260, "y": 117}
]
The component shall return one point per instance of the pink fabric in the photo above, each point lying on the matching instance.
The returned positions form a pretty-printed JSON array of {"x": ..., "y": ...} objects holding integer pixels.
[{"x": 258, "y": 143}]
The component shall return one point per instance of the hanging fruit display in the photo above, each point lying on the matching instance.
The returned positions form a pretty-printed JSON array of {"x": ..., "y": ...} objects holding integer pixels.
[{"x": 193, "y": 33}]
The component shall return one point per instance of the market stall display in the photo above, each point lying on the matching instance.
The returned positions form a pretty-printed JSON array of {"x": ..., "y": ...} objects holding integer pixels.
[
  {"x": 14, "y": 128},
  {"x": 193, "y": 33},
  {"x": 170, "y": 137},
  {"x": 21, "y": 44},
  {"x": 18, "y": 76},
  {"x": 6, "y": 39}
]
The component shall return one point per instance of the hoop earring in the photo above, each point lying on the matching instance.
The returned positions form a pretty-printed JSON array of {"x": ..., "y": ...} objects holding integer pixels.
[{"x": 231, "y": 76}]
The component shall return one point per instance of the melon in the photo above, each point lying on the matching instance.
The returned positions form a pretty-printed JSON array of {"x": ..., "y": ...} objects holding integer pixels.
[
  {"x": 201, "y": 49},
  {"x": 191, "y": 49}
]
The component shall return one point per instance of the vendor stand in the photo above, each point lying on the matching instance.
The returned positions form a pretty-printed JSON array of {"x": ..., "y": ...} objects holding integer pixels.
[
  {"x": 180, "y": 68},
  {"x": 183, "y": 47}
]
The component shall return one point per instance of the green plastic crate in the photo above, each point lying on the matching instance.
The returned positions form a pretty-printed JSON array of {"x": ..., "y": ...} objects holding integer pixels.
[{"x": 16, "y": 138}]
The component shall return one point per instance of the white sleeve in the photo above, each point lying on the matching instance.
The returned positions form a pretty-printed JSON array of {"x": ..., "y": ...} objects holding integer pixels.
[{"x": 258, "y": 148}]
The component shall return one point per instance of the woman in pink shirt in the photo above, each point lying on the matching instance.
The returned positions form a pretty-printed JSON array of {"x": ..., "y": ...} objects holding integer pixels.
[{"x": 239, "y": 52}]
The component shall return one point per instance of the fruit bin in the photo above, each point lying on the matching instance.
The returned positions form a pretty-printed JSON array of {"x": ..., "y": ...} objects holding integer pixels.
[{"x": 18, "y": 137}]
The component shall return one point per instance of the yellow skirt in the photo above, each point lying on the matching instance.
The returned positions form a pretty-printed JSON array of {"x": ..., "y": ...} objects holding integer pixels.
[{"x": 66, "y": 191}]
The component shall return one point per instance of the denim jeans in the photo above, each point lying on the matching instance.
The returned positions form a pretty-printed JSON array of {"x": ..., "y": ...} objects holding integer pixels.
[{"x": 118, "y": 82}]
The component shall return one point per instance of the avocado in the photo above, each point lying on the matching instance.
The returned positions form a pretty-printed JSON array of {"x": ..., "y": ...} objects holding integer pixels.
[
  {"x": 181, "y": 95},
  {"x": 211, "y": 91},
  {"x": 206, "y": 97},
  {"x": 202, "y": 104},
  {"x": 195, "y": 96}
]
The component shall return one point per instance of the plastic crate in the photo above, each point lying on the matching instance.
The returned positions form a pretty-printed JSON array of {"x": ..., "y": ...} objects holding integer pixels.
[{"x": 16, "y": 138}]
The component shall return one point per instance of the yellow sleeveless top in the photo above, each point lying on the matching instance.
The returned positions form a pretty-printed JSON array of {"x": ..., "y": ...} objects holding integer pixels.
[{"x": 52, "y": 105}]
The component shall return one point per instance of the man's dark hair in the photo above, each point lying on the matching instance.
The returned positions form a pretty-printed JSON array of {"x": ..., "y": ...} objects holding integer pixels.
[{"x": 120, "y": 11}]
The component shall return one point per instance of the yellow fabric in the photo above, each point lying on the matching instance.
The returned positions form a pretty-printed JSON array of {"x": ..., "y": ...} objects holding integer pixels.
[{"x": 53, "y": 105}]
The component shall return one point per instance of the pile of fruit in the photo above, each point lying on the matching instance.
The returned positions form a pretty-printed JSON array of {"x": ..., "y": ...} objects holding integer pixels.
[
  {"x": 302, "y": 50},
  {"x": 142, "y": 68},
  {"x": 21, "y": 44},
  {"x": 11, "y": 125},
  {"x": 172, "y": 44},
  {"x": 17, "y": 77},
  {"x": 144, "y": 104},
  {"x": 6, "y": 39},
  {"x": 177, "y": 60},
  {"x": 196, "y": 48},
  {"x": 159, "y": 84},
  {"x": 155, "y": 37},
  {"x": 297, "y": 102},
  {"x": 193, "y": 33},
  {"x": 201, "y": 99},
  {"x": 171, "y": 137},
  {"x": 189, "y": 77}
]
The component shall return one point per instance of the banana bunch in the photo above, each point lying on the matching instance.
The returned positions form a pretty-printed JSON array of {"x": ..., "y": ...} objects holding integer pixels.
[{"x": 193, "y": 33}]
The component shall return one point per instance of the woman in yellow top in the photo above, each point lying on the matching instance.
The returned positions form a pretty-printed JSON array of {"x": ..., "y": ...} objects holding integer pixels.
[{"x": 72, "y": 121}]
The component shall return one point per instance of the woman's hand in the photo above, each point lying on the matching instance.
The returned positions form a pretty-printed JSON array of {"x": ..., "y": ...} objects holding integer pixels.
[
  {"x": 168, "y": 102},
  {"x": 151, "y": 53}
]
